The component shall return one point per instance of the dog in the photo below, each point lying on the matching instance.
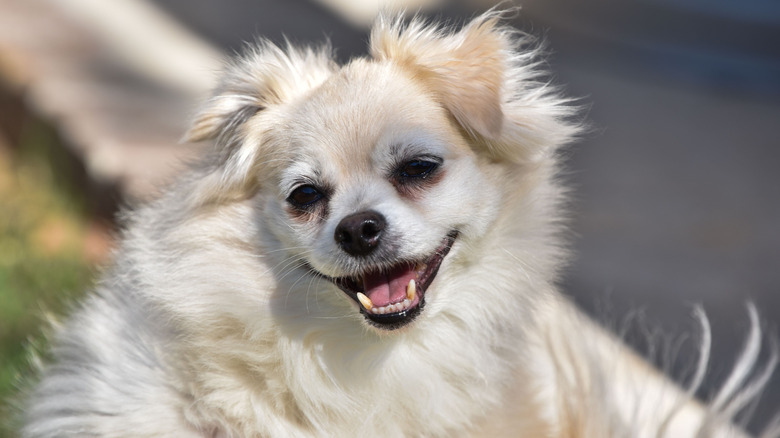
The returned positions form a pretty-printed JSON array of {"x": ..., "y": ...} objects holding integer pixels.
[{"x": 370, "y": 250}]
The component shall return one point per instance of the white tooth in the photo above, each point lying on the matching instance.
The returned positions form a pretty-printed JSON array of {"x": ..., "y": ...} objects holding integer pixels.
[
  {"x": 365, "y": 301},
  {"x": 411, "y": 290},
  {"x": 374, "y": 310},
  {"x": 407, "y": 303}
]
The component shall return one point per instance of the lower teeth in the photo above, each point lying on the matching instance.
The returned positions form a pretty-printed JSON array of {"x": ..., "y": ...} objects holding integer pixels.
[{"x": 392, "y": 308}]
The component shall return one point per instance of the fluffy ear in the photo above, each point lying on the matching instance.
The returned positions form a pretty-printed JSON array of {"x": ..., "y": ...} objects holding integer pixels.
[
  {"x": 465, "y": 69},
  {"x": 484, "y": 75},
  {"x": 265, "y": 77}
]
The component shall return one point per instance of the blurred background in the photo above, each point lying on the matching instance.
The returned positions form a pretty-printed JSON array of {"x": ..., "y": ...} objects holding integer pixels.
[{"x": 676, "y": 187}]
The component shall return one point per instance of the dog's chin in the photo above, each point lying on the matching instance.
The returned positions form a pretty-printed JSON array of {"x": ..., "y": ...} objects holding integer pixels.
[{"x": 392, "y": 296}]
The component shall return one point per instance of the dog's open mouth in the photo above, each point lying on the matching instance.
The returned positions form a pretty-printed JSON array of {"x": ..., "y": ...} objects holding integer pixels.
[{"x": 392, "y": 297}]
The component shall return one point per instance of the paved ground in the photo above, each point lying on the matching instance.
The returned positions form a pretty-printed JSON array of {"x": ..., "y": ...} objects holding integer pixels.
[
  {"x": 678, "y": 191},
  {"x": 677, "y": 203}
]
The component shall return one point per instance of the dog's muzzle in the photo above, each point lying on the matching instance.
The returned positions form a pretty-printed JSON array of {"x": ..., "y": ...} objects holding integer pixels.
[{"x": 389, "y": 297}]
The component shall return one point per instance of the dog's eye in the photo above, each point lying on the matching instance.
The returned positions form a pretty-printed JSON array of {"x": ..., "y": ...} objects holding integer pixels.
[
  {"x": 417, "y": 169},
  {"x": 304, "y": 196}
]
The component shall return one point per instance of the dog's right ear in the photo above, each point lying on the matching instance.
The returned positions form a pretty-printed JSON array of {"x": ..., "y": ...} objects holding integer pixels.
[{"x": 265, "y": 77}]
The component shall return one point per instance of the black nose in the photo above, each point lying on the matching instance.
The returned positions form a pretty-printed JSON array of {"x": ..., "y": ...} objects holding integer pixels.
[{"x": 360, "y": 233}]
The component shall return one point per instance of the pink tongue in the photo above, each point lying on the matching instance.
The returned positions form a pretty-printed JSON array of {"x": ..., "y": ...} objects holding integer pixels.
[{"x": 386, "y": 288}]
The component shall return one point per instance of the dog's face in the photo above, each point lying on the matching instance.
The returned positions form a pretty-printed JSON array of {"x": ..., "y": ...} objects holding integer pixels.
[
  {"x": 378, "y": 185},
  {"x": 372, "y": 176}
]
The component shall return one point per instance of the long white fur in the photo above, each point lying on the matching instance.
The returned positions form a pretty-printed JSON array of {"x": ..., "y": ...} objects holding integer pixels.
[{"x": 210, "y": 324}]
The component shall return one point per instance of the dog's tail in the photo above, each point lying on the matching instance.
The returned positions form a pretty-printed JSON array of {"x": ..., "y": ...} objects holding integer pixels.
[
  {"x": 605, "y": 389},
  {"x": 744, "y": 386}
]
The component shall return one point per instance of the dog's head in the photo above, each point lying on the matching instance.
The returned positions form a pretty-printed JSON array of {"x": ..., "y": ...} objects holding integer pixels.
[{"x": 371, "y": 174}]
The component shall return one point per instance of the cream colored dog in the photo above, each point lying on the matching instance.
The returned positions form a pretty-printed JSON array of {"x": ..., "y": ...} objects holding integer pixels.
[{"x": 370, "y": 252}]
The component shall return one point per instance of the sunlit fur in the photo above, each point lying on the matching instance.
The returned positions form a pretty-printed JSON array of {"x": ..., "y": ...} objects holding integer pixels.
[{"x": 211, "y": 323}]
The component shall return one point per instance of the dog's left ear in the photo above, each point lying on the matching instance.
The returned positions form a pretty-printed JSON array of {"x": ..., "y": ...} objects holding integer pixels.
[
  {"x": 485, "y": 75},
  {"x": 464, "y": 69}
]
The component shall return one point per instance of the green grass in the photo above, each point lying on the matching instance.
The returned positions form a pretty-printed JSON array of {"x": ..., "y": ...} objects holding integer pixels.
[{"x": 44, "y": 261}]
